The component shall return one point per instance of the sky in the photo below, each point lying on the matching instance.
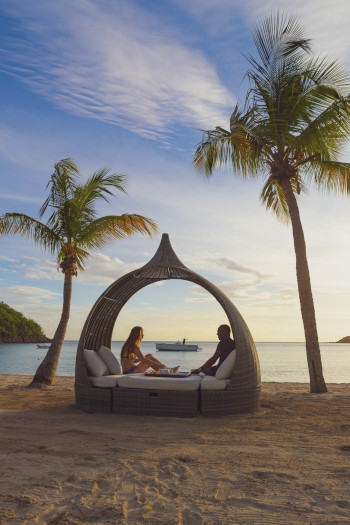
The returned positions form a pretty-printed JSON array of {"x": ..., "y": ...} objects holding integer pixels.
[{"x": 131, "y": 85}]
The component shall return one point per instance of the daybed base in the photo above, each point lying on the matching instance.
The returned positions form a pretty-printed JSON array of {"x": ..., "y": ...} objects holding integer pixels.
[
  {"x": 216, "y": 403},
  {"x": 94, "y": 400},
  {"x": 165, "y": 403}
]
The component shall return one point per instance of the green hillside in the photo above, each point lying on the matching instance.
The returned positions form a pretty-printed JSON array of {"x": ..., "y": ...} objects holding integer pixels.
[{"x": 15, "y": 328}]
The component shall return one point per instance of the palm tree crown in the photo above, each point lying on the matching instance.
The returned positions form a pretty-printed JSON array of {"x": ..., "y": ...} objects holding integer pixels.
[
  {"x": 73, "y": 228},
  {"x": 294, "y": 122}
]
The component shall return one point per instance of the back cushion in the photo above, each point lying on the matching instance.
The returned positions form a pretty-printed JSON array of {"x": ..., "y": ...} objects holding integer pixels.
[
  {"x": 96, "y": 367},
  {"x": 110, "y": 360},
  {"x": 225, "y": 370}
]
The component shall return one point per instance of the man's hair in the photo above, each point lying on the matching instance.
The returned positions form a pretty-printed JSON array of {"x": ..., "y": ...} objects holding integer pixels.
[{"x": 226, "y": 328}]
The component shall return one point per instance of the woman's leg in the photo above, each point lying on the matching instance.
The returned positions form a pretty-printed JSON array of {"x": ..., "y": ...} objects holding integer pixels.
[
  {"x": 142, "y": 367},
  {"x": 161, "y": 365},
  {"x": 150, "y": 356}
]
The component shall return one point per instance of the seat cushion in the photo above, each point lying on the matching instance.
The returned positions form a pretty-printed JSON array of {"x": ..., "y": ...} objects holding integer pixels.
[
  {"x": 111, "y": 361},
  {"x": 159, "y": 383},
  {"x": 104, "y": 381},
  {"x": 211, "y": 383},
  {"x": 95, "y": 365},
  {"x": 225, "y": 370}
]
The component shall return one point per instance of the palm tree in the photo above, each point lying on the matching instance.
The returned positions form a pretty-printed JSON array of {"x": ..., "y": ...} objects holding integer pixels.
[
  {"x": 291, "y": 131},
  {"x": 71, "y": 231}
]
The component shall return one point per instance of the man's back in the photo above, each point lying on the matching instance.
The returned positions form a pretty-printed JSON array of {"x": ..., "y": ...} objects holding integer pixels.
[{"x": 225, "y": 347}]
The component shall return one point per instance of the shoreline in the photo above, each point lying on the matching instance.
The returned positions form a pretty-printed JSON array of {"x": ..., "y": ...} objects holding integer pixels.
[
  {"x": 21, "y": 378},
  {"x": 286, "y": 463}
]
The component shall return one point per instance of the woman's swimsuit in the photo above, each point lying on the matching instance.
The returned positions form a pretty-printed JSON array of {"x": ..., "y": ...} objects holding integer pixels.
[{"x": 131, "y": 370}]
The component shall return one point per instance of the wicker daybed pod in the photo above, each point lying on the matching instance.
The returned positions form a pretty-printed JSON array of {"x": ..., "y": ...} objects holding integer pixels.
[{"x": 242, "y": 393}]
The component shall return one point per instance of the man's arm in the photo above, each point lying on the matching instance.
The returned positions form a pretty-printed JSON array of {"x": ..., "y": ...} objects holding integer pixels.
[{"x": 208, "y": 363}]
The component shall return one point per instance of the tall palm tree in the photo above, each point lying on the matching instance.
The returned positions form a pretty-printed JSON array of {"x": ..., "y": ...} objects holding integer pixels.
[
  {"x": 290, "y": 131},
  {"x": 70, "y": 232}
]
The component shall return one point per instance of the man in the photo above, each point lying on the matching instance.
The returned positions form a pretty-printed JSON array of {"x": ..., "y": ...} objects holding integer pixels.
[{"x": 224, "y": 348}]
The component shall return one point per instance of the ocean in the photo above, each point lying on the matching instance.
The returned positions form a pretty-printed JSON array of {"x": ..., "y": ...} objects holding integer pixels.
[{"x": 281, "y": 362}]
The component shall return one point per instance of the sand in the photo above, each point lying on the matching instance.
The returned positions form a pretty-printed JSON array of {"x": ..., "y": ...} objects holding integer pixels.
[{"x": 288, "y": 463}]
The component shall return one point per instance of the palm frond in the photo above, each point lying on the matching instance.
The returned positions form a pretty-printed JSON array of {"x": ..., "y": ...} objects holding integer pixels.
[
  {"x": 214, "y": 150},
  {"x": 104, "y": 230},
  {"x": 279, "y": 35},
  {"x": 272, "y": 196},
  {"x": 99, "y": 186},
  {"x": 243, "y": 146},
  {"x": 25, "y": 226},
  {"x": 331, "y": 176},
  {"x": 328, "y": 131},
  {"x": 62, "y": 184}
]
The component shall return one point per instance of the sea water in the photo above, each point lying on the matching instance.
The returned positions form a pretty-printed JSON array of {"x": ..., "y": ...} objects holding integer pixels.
[{"x": 281, "y": 362}]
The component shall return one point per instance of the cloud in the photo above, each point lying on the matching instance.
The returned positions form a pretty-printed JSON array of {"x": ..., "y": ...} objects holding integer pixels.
[
  {"x": 8, "y": 259},
  {"x": 32, "y": 294},
  {"x": 230, "y": 264},
  {"x": 240, "y": 289},
  {"x": 288, "y": 294},
  {"x": 200, "y": 298},
  {"x": 114, "y": 63},
  {"x": 100, "y": 270},
  {"x": 104, "y": 270},
  {"x": 44, "y": 270},
  {"x": 18, "y": 197}
]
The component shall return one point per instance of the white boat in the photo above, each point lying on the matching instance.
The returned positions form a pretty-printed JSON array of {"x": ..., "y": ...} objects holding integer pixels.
[
  {"x": 43, "y": 345},
  {"x": 177, "y": 347}
]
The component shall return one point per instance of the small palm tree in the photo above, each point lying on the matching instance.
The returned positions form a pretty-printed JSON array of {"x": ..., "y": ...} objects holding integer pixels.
[
  {"x": 71, "y": 231},
  {"x": 291, "y": 131}
]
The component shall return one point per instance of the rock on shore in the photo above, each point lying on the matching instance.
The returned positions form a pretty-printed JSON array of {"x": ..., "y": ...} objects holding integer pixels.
[{"x": 344, "y": 339}]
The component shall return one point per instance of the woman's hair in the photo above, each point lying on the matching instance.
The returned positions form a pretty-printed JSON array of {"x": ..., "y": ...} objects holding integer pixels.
[{"x": 128, "y": 346}]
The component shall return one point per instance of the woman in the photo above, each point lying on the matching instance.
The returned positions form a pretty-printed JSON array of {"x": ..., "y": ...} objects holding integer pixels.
[{"x": 131, "y": 354}]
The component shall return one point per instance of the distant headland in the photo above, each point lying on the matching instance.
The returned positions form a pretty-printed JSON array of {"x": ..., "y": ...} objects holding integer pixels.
[
  {"x": 15, "y": 328},
  {"x": 344, "y": 339}
]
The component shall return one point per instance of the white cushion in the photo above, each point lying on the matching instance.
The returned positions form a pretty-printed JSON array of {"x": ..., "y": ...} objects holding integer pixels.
[
  {"x": 110, "y": 360},
  {"x": 211, "y": 383},
  {"x": 225, "y": 370},
  {"x": 104, "y": 381},
  {"x": 95, "y": 364},
  {"x": 159, "y": 383}
]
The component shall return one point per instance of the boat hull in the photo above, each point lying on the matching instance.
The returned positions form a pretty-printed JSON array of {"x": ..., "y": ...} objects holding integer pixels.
[{"x": 176, "y": 347}]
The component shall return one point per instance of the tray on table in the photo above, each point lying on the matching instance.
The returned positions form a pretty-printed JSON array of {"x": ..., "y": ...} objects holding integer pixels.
[{"x": 175, "y": 374}]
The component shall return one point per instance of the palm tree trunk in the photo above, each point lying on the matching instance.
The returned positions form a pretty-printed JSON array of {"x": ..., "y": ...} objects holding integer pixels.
[
  {"x": 317, "y": 382},
  {"x": 46, "y": 371}
]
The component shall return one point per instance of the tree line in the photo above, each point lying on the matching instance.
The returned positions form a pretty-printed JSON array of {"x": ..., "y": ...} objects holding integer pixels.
[{"x": 15, "y": 328}]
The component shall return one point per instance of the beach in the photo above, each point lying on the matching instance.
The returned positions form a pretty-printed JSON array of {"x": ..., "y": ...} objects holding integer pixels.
[{"x": 288, "y": 463}]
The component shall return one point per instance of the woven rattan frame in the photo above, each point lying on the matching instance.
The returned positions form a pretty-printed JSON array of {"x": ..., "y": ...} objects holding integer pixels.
[{"x": 243, "y": 391}]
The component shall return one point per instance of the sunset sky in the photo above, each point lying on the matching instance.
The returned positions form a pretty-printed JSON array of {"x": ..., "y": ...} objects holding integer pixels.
[{"x": 130, "y": 85}]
